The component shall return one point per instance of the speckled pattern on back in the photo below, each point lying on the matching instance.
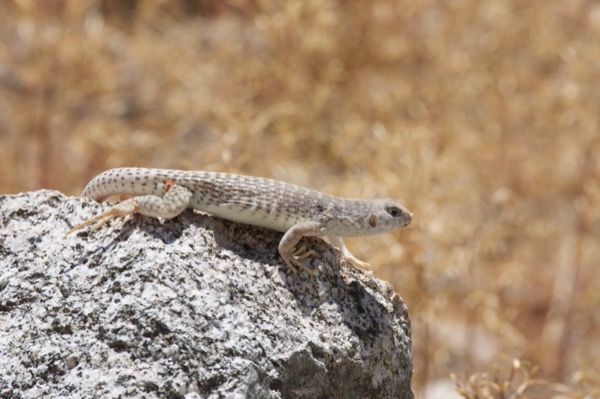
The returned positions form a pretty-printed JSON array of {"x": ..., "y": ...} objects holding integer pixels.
[{"x": 254, "y": 200}]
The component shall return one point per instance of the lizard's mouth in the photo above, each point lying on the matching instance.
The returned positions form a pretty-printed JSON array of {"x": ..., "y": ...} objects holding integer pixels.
[{"x": 408, "y": 218}]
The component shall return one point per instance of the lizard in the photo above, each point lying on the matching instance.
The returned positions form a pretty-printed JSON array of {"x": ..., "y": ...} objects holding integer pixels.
[{"x": 293, "y": 210}]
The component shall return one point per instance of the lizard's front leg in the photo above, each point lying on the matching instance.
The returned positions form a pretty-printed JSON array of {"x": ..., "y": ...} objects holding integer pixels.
[
  {"x": 291, "y": 238},
  {"x": 175, "y": 201},
  {"x": 346, "y": 254}
]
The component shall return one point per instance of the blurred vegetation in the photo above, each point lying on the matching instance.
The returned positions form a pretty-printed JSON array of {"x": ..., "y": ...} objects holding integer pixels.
[{"x": 481, "y": 116}]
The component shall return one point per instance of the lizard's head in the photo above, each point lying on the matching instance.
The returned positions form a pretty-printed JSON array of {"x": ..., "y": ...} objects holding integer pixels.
[{"x": 387, "y": 215}]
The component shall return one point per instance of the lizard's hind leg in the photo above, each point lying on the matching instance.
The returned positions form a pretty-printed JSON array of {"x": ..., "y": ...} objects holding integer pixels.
[
  {"x": 121, "y": 210},
  {"x": 175, "y": 200}
]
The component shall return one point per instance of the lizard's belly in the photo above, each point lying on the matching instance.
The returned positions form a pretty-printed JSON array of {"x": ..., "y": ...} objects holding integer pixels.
[{"x": 275, "y": 220}]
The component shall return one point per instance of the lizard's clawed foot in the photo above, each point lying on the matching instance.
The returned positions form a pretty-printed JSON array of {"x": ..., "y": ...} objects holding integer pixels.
[
  {"x": 121, "y": 210},
  {"x": 302, "y": 253},
  {"x": 357, "y": 262},
  {"x": 294, "y": 259}
]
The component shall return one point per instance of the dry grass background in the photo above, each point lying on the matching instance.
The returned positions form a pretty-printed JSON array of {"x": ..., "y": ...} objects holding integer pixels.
[{"x": 481, "y": 116}]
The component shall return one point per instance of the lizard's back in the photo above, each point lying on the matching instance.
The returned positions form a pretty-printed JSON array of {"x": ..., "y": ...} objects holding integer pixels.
[{"x": 246, "y": 199}]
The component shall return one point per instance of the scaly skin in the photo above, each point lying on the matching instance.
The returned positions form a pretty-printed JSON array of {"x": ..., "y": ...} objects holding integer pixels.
[{"x": 285, "y": 207}]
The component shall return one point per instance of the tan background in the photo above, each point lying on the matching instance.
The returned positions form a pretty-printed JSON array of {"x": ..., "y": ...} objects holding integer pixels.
[{"x": 481, "y": 116}]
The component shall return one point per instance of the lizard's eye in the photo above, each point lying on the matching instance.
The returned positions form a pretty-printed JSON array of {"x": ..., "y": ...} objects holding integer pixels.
[{"x": 394, "y": 211}]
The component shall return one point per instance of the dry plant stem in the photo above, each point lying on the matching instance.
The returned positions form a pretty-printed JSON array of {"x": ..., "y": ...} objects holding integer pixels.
[
  {"x": 515, "y": 386},
  {"x": 555, "y": 333}
]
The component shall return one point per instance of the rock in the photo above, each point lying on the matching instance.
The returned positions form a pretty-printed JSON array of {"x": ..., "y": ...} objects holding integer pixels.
[{"x": 197, "y": 307}]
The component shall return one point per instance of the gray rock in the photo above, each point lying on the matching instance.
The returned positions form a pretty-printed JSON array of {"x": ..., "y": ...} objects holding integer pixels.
[{"x": 196, "y": 307}]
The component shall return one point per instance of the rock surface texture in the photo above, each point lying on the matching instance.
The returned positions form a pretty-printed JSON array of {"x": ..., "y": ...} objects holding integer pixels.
[{"x": 196, "y": 307}]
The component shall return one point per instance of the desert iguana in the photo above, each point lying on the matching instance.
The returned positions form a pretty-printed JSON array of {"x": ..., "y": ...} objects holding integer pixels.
[{"x": 293, "y": 210}]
